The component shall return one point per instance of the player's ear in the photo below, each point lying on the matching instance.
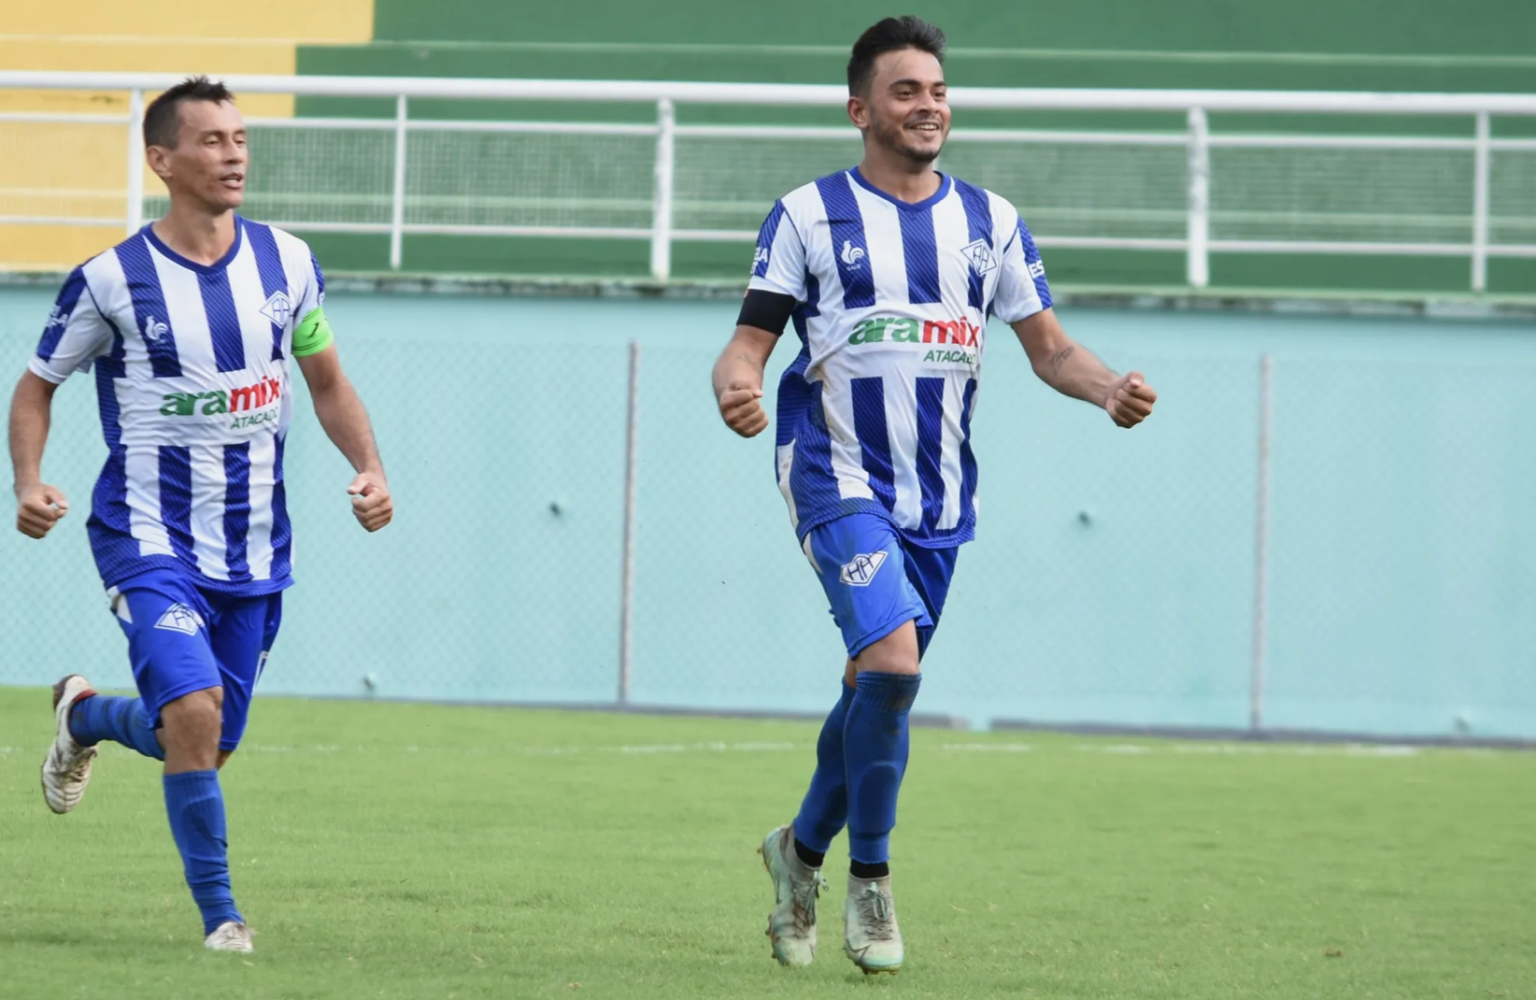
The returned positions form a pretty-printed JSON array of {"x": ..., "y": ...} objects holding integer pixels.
[
  {"x": 858, "y": 112},
  {"x": 159, "y": 159}
]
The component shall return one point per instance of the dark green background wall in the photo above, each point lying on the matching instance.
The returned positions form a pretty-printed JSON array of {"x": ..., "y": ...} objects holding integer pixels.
[{"x": 1402, "y": 45}]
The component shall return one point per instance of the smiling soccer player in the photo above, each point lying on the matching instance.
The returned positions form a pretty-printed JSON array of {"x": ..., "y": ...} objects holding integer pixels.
[
  {"x": 889, "y": 271},
  {"x": 190, "y": 324}
]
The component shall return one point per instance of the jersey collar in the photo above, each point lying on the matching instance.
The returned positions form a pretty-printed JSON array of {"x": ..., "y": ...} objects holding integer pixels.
[
  {"x": 149, "y": 234},
  {"x": 944, "y": 185}
]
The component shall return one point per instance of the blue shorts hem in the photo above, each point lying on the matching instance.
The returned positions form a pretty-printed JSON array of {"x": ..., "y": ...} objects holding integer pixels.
[
  {"x": 179, "y": 691},
  {"x": 879, "y": 632}
]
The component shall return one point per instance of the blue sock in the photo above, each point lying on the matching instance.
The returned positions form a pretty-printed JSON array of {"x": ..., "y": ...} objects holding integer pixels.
[
  {"x": 121, "y": 720},
  {"x": 875, "y": 748},
  {"x": 196, "y": 810},
  {"x": 825, "y": 809}
]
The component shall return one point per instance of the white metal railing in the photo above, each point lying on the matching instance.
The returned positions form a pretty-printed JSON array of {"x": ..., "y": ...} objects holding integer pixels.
[{"x": 1205, "y": 228}]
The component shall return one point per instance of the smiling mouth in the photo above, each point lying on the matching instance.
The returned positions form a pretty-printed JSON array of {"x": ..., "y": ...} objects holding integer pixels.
[
  {"x": 232, "y": 180},
  {"x": 926, "y": 126}
]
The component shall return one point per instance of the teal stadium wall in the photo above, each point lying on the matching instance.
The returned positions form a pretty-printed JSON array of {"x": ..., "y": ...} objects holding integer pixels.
[{"x": 1112, "y": 580}]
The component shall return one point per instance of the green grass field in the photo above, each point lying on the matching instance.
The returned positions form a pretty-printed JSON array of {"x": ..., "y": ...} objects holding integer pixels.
[{"x": 417, "y": 851}]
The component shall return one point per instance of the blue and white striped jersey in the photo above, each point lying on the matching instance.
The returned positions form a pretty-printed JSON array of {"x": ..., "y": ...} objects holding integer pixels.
[
  {"x": 875, "y": 413},
  {"x": 192, "y": 382}
]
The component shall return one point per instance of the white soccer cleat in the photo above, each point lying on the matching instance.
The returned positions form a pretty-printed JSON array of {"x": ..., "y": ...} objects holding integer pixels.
[
  {"x": 871, "y": 937},
  {"x": 230, "y": 936},
  {"x": 792, "y": 924},
  {"x": 67, "y": 768}
]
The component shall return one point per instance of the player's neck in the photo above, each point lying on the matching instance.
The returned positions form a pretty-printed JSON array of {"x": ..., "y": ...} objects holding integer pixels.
[
  {"x": 199, "y": 235},
  {"x": 903, "y": 180}
]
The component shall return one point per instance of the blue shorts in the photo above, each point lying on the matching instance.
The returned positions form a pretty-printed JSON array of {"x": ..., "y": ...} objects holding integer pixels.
[
  {"x": 876, "y": 581},
  {"x": 182, "y": 639}
]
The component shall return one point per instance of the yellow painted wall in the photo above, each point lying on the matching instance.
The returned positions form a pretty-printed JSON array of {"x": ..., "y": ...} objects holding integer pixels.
[{"x": 80, "y": 171}]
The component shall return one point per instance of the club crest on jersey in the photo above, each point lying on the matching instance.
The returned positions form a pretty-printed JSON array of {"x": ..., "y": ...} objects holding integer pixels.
[
  {"x": 154, "y": 329},
  {"x": 862, "y": 569},
  {"x": 180, "y": 618},
  {"x": 979, "y": 253},
  {"x": 278, "y": 308},
  {"x": 851, "y": 254}
]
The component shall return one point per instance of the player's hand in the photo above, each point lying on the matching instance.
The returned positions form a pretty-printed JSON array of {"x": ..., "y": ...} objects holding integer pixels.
[
  {"x": 39, "y": 508},
  {"x": 741, "y": 411},
  {"x": 371, "y": 503},
  {"x": 1130, "y": 400}
]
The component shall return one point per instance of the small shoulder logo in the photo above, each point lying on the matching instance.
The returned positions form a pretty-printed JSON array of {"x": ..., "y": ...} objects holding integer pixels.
[
  {"x": 979, "y": 253},
  {"x": 278, "y": 308},
  {"x": 760, "y": 255},
  {"x": 180, "y": 618},
  {"x": 851, "y": 254},
  {"x": 862, "y": 569},
  {"x": 58, "y": 318},
  {"x": 154, "y": 329},
  {"x": 1037, "y": 269}
]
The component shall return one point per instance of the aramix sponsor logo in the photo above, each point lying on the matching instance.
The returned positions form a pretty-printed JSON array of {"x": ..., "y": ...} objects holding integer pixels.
[
  {"x": 957, "y": 334},
  {"x": 238, "y": 401}
]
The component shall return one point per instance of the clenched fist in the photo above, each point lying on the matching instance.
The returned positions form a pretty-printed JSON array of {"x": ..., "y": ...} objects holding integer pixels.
[{"x": 38, "y": 508}]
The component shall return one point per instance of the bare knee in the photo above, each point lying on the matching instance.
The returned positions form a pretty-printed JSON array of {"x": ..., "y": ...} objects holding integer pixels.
[
  {"x": 893, "y": 654},
  {"x": 190, "y": 731}
]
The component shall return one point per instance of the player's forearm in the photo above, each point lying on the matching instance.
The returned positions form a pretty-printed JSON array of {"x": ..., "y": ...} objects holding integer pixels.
[
  {"x": 1072, "y": 370},
  {"x": 736, "y": 367},
  {"x": 345, "y": 419},
  {"x": 31, "y": 412}
]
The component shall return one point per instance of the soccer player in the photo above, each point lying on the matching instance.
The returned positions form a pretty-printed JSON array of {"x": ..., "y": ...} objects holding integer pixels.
[
  {"x": 190, "y": 323},
  {"x": 889, "y": 272}
]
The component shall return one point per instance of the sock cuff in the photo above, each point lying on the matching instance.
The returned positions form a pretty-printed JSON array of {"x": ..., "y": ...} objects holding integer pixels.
[
  {"x": 187, "y": 781},
  {"x": 892, "y": 692}
]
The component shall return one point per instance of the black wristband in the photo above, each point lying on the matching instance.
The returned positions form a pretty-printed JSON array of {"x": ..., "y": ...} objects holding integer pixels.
[{"x": 766, "y": 310}]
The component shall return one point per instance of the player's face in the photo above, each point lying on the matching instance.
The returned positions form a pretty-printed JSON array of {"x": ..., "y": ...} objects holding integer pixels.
[
  {"x": 208, "y": 163},
  {"x": 907, "y": 111}
]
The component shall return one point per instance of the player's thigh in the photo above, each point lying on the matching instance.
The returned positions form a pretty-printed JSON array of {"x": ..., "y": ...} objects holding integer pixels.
[
  {"x": 169, "y": 645},
  {"x": 930, "y": 571},
  {"x": 243, "y": 632},
  {"x": 858, "y": 559}
]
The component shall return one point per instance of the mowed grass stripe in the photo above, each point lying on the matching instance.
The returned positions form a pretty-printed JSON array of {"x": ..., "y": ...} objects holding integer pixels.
[{"x": 482, "y": 865}]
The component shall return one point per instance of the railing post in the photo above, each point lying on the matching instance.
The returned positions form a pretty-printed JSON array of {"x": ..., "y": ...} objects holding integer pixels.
[
  {"x": 1481, "y": 155},
  {"x": 661, "y": 200},
  {"x": 397, "y": 204},
  {"x": 1198, "y": 262},
  {"x": 135, "y": 214},
  {"x": 627, "y": 574},
  {"x": 1261, "y": 549}
]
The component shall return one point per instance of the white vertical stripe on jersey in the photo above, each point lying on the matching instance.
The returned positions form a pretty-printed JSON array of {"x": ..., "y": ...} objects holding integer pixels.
[
  {"x": 951, "y": 231},
  {"x": 258, "y": 539},
  {"x": 901, "y": 424},
  {"x": 246, "y": 288},
  {"x": 209, "y": 543},
  {"x": 142, "y": 465},
  {"x": 887, "y": 253},
  {"x": 188, "y": 317},
  {"x": 785, "y": 454},
  {"x": 847, "y": 457},
  {"x": 949, "y": 455}
]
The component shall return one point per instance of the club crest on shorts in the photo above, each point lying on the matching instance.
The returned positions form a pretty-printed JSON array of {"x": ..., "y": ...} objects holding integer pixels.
[
  {"x": 862, "y": 569},
  {"x": 180, "y": 618}
]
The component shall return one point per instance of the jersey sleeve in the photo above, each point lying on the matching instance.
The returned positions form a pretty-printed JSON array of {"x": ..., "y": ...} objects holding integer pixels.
[
  {"x": 1022, "y": 290},
  {"x": 312, "y": 332},
  {"x": 75, "y": 335},
  {"x": 778, "y": 263}
]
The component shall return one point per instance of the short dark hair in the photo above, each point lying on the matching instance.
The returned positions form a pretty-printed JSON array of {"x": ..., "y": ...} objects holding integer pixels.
[
  {"x": 891, "y": 35},
  {"x": 162, "y": 119}
]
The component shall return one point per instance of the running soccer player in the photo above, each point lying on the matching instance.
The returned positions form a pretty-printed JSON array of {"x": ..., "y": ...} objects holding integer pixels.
[
  {"x": 190, "y": 323},
  {"x": 889, "y": 272}
]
